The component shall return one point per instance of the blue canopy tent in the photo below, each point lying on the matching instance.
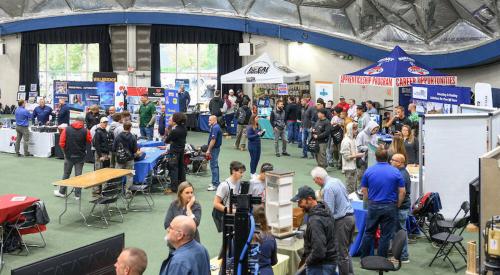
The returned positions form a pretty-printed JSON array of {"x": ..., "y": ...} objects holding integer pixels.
[{"x": 396, "y": 70}]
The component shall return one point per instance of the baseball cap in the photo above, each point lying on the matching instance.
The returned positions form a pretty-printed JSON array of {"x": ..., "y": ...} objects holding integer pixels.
[
  {"x": 342, "y": 97},
  {"x": 303, "y": 193},
  {"x": 104, "y": 119}
]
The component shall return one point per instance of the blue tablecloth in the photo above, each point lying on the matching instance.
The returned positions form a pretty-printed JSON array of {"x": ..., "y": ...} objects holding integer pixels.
[
  {"x": 149, "y": 143},
  {"x": 265, "y": 123},
  {"x": 143, "y": 167},
  {"x": 230, "y": 119},
  {"x": 360, "y": 220}
]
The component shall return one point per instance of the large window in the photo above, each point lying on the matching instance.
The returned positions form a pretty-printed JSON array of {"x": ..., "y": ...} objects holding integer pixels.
[
  {"x": 195, "y": 62},
  {"x": 74, "y": 62}
]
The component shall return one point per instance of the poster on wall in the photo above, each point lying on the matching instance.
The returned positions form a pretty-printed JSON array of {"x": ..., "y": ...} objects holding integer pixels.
[
  {"x": 33, "y": 87},
  {"x": 83, "y": 94},
  {"x": 171, "y": 103},
  {"x": 22, "y": 88},
  {"x": 283, "y": 89},
  {"x": 324, "y": 90},
  {"x": 483, "y": 95},
  {"x": 21, "y": 95}
]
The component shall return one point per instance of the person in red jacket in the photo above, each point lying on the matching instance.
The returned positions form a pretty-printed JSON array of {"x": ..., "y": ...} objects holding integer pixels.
[
  {"x": 342, "y": 104},
  {"x": 73, "y": 142}
]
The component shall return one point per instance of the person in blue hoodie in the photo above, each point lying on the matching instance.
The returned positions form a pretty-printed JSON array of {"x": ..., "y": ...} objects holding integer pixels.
[{"x": 253, "y": 134}]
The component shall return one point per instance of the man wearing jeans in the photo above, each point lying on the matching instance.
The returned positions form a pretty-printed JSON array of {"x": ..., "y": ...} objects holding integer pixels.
[
  {"x": 73, "y": 142},
  {"x": 147, "y": 117},
  {"x": 383, "y": 189},
  {"x": 23, "y": 117},
  {"x": 398, "y": 161},
  {"x": 278, "y": 122},
  {"x": 336, "y": 197},
  {"x": 214, "y": 143}
]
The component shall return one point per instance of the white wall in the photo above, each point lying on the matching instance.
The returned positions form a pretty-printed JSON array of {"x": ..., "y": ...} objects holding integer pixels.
[{"x": 9, "y": 69}]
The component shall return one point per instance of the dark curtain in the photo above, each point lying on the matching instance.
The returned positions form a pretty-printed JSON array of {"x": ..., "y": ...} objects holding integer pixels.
[
  {"x": 28, "y": 71},
  {"x": 228, "y": 58}
]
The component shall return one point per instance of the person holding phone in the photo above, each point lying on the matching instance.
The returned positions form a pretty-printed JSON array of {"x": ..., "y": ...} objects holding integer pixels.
[{"x": 253, "y": 134}]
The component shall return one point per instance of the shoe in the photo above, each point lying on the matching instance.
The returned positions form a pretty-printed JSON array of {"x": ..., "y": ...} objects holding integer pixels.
[
  {"x": 278, "y": 155},
  {"x": 405, "y": 261},
  {"x": 77, "y": 198},
  {"x": 128, "y": 195},
  {"x": 212, "y": 188},
  {"x": 243, "y": 149},
  {"x": 57, "y": 194},
  {"x": 28, "y": 155},
  {"x": 18, "y": 155},
  {"x": 285, "y": 154},
  {"x": 304, "y": 157}
]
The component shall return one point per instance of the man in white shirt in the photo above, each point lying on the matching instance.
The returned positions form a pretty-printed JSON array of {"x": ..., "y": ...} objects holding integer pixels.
[
  {"x": 221, "y": 199},
  {"x": 351, "y": 112},
  {"x": 258, "y": 183}
]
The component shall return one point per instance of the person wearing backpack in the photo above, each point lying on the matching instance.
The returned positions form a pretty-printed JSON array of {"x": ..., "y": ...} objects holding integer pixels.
[
  {"x": 243, "y": 116},
  {"x": 125, "y": 148},
  {"x": 114, "y": 124},
  {"x": 73, "y": 142}
]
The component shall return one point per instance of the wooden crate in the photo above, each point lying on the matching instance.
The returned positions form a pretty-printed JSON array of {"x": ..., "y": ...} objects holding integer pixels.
[{"x": 281, "y": 231}]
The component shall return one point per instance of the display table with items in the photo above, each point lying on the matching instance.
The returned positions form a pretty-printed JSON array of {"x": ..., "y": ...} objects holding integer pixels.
[
  {"x": 265, "y": 124},
  {"x": 230, "y": 120},
  {"x": 149, "y": 143},
  {"x": 280, "y": 268},
  {"x": 40, "y": 144},
  {"x": 143, "y": 167}
]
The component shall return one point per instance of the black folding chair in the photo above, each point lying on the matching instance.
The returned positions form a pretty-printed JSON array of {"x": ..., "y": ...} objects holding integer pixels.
[
  {"x": 450, "y": 224},
  {"x": 26, "y": 220},
  {"x": 109, "y": 196},
  {"x": 382, "y": 264},
  {"x": 159, "y": 174},
  {"x": 145, "y": 191},
  {"x": 449, "y": 240}
]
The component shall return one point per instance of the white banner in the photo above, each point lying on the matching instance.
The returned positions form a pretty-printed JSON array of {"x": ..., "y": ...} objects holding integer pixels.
[
  {"x": 324, "y": 90},
  {"x": 40, "y": 144},
  {"x": 482, "y": 95}
]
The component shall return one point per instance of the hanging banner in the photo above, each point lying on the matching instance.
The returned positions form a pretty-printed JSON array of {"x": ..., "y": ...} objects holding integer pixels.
[
  {"x": 434, "y": 99},
  {"x": 80, "y": 95},
  {"x": 104, "y": 77},
  {"x": 324, "y": 90},
  {"x": 171, "y": 103},
  {"x": 283, "y": 89}
]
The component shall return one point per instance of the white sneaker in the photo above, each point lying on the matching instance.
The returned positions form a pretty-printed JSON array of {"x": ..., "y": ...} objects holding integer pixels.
[
  {"x": 57, "y": 194},
  {"x": 77, "y": 198},
  {"x": 212, "y": 188}
]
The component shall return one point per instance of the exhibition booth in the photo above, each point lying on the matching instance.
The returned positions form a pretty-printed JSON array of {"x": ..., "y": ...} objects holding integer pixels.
[
  {"x": 275, "y": 80},
  {"x": 387, "y": 81}
]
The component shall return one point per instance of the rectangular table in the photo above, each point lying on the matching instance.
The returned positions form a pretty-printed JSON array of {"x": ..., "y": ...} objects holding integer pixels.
[
  {"x": 280, "y": 268},
  {"x": 9, "y": 210},
  {"x": 149, "y": 143},
  {"x": 143, "y": 167},
  {"x": 89, "y": 180},
  {"x": 40, "y": 144}
]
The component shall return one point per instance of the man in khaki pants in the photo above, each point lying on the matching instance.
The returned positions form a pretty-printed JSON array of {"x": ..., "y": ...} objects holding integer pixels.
[
  {"x": 243, "y": 115},
  {"x": 23, "y": 117}
]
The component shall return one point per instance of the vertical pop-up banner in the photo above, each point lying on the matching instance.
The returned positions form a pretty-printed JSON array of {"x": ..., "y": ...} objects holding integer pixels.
[{"x": 171, "y": 103}]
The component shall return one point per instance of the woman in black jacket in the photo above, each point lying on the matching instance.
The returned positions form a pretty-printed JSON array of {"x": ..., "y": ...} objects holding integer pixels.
[
  {"x": 177, "y": 140},
  {"x": 92, "y": 117}
]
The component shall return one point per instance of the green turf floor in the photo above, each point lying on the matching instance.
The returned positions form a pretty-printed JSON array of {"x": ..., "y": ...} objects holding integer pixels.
[{"x": 33, "y": 177}]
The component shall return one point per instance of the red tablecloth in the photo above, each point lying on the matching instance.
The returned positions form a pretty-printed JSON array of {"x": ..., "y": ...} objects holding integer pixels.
[{"x": 11, "y": 209}]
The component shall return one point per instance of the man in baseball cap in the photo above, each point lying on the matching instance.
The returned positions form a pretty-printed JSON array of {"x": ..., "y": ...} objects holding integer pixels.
[{"x": 320, "y": 252}]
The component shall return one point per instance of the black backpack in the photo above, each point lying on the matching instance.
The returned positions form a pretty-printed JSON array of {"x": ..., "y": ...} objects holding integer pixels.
[
  {"x": 11, "y": 241},
  {"x": 111, "y": 138},
  {"x": 122, "y": 154},
  {"x": 433, "y": 226},
  {"x": 337, "y": 134},
  {"x": 242, "y": 115}
]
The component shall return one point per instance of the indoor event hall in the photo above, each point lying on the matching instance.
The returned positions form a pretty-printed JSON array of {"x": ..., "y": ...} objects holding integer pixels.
[{"x": 247, "y": 137}]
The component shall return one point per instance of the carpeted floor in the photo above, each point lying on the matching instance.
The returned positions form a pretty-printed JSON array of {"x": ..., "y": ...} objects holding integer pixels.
[{"x": 34, "y": 177}]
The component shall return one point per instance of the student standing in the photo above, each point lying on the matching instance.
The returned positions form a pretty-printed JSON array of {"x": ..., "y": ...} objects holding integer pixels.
[
  {"x": 254, "y": 133},
  {"x": 214, "y": 143}
]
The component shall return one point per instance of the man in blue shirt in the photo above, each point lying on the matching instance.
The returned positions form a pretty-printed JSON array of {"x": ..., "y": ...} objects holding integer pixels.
[
  {"x": 214, "y": 143},
  {"x": 189, "y": 257},
  {"x": 184, "y": 99},
  {"x": 383, "y": 188},
  {"x": 63, "y": 115},
  {"x": 336, "y": 197},
  {"x": 23, "y": 117},
  {"x": 42, "y": 113}
]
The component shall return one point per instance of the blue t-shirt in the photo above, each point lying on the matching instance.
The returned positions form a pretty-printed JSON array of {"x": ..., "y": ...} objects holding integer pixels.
[
  {"x": 191, "y": 258},
  {"x": 215, "y": 133},
  {"x": 383, "y": 182},
  {"x": 23, "y": 117},
  {"x": 42, "y": 114}
]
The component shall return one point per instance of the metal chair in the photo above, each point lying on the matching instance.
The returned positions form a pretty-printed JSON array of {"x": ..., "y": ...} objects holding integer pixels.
[
  {"x": 109, "y": 195},
  {"x": 448, "y": 225},
  {"x": 197, "y": 164},
  {"x": 145, "y": 190},
  {"x": 449, "y": 240},
  {"x": 382, "y": 264},
  {"x": 159, "y": 174},
  {"x": 26, "y": 220}
]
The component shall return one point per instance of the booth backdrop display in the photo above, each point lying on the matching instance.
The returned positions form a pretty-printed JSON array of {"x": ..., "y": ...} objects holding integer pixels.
[
  {"x": 453, "y": 144},
  {"x": 396, "y": 70},
  {"x": 438, "y": 99},
  {"x": 40, "y": 144},
  {"x": 80, "y": 95}
]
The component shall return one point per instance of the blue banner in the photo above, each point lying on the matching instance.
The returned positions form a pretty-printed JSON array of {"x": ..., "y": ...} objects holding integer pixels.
[
  {"x": 171, "y": 103},
  {"x": 439, "y": 99},
  {"x": 82, "y": 94}
]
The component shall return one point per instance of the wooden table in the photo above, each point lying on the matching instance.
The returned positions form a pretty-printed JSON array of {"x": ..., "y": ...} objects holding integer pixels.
[{"x": 89, "y": 180}]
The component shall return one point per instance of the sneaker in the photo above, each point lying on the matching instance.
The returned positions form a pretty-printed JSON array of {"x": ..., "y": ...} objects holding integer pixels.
[
  {"x": 128, "y": 195},
  {"x": 18, "y": 155},
  {"x": 278, "y": 155},
  {"x": 212, "y": 187},
  {"x": 285, "y": 154},
  {"x": 168, "y": 191},
  {"x": 304, "y": 157},
  {"x": 77, "y": 198},
  {"x": 405, "y": 261},
  {"x": 57, "y": 194},
  {"x": 28, "y": 155}
]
